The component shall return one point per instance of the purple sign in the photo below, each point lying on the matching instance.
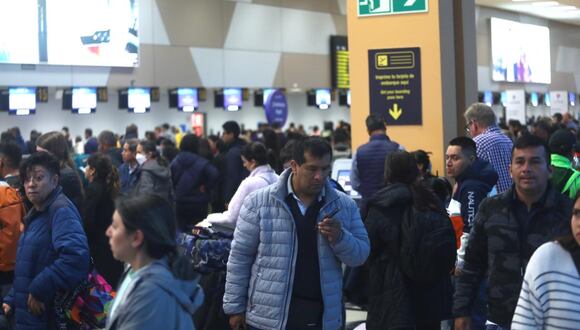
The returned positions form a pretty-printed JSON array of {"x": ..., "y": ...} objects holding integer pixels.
[{"x": 276, "y": 108}]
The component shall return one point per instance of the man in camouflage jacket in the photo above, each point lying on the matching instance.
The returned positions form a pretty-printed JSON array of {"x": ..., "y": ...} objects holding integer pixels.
[{"x": 508, "y": 229}]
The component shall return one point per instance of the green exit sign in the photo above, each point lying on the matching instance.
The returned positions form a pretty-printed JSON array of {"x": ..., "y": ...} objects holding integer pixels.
[{"x": 391, "y": 7}]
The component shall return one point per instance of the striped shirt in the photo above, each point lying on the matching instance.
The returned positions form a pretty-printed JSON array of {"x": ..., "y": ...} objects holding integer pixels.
[
  {"x": 496, "y": 148},
  {"x": 550, "y": 295}
]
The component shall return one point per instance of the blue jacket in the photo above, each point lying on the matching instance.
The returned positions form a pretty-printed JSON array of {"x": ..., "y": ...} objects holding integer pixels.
[
  {"x": 260, "y": 270},
  {"x": 45, "y": 263},
  {"x": 473, "y": 185},
  {"x": 158, "y": 300},
  {"x": 370, "y": 159},
  {"x": 188, "y": 173},
  {"x": 128, "y": 180}
]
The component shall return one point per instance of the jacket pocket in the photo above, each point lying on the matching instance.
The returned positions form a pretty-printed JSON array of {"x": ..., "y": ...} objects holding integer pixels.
[{"x": 253, "y": 290}]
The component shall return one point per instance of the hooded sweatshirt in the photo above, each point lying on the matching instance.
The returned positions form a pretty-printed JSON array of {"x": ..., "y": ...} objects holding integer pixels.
[
  {"x": 155, "y": 179},
  {"x": 473, "y": 185},
  {"x": 158, "y": 300}
]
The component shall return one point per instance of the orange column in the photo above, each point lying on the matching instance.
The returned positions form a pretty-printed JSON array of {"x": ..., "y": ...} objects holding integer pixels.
[{"x": 400, "y": 31}]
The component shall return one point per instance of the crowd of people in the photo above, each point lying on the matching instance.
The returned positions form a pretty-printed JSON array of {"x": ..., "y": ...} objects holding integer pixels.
[{"x": 493, "y": 244}]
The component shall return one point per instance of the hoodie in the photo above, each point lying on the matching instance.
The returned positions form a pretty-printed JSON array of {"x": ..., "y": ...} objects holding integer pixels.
[
  {"x": 158, "y": 300},
  {"x": 155, "y": 179},
  {"x": 473, "y": 186}
]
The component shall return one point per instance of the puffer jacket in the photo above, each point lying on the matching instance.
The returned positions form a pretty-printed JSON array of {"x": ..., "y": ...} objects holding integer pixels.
[
  {"x": 45, "y": 263},
  {"x": 155, "y": 179},
  {"x": 500, "y": 246},
  {"x": 260, "y": 270},
  {"x": 260, "y": 177}
]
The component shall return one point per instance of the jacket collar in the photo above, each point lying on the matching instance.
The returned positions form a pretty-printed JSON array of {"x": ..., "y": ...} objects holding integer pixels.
[
  {"x": 379, "y": 137},
  {"x": 280, "y": 188},
  {"x": 547, "y": 201},
  {"x": 49, "y": 200}
]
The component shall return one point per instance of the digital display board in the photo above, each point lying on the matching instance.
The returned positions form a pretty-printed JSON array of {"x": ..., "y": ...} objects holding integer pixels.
[
  {"x": 232, "y": 99},
  {"x": 339, "y": 62},
  {"x": 187, "y": 99},
  {"x": 21, "y": 100},
  {"x": 139, "y": 99},
  {"x": 84, "y": 100},
  {"x": 323, "y": 98}
]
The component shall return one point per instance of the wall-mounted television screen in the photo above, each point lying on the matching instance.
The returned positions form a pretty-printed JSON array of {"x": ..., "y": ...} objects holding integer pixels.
[
  {"x": 187, "y": 100},
  {"x": 520, "y": 52},
  {"x": 139, "y": 99},
  {"x": 534, "y": 99},
  {"x": 488, "y": 98},
  {"x": 84, "y": 100},
  {"x": 323, "y": 98},
  {"x": 232, "y": 99},
  {"x": 547, "y": 99},
  {"x": 70, "y": 32},
  {"x": 572, "y": 99},
  {"x": 503, "y": 98},
  {"x": 267, "y": 93},
  {"x": 21, "y": 100}
]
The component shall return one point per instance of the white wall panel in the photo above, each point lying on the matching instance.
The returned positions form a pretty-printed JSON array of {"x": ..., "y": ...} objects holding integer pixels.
[
  {"x": 151, "y": 29},
  {"x": 210, "y": 65},
  {"x": 568, "y": 60},
  {"x": 250, "y": 69},
  {"x": 306, "y": 32},
  {"x": 255, "y": 27}
]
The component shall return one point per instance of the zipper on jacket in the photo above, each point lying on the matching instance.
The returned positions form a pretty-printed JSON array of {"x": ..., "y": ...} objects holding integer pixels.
[
  {"x": 258, "y": 275},
  {"x": 286, "y": 306}
]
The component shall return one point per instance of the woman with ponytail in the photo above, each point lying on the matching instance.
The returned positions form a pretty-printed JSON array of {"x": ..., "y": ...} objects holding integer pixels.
[
  {"x": 395, "y": 300},
  {"x": 155, "y": 177},
  {"x": 98, "y": 209},
  {"x": 159, "y": 290}
]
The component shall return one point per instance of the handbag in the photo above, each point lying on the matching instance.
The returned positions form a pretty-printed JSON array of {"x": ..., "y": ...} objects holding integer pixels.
[{"x": 86, "y": 306}]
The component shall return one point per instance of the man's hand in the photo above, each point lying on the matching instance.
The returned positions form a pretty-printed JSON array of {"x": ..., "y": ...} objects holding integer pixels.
[
  {"x": 36, "y": 307},
  {"x": 238, "y": 321},
  {"x": 462, "y": 323},
  {"x": 330, "y": 229},
  {"x": 7, "y": 309}
]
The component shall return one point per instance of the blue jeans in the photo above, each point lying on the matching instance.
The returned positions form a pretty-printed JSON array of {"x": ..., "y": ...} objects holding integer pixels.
[{"x": 495, "y": 327}]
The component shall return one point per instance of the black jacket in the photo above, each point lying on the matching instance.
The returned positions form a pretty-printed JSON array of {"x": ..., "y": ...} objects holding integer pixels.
[
  {"x": 394, "y": 300},
  {"x": 97, "y": 215},
  {"x": 474, "y": 184},
  {"x": 234, "y": 170},
  {"x": 500, "y": 245}
]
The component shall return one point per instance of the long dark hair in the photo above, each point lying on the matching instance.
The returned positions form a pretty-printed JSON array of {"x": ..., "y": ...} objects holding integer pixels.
[
  {"x": 151, "y": 147},
  {"x": 105, "y": 173},
  {"x": 401, "y": 167},
  {"x": 568, "y": 242},
  {"x": 55, "y": 143},
  {"x": 154, "y": 216}
]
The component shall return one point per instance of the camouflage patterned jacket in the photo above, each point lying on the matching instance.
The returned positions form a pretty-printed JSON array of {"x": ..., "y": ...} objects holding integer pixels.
[{"x": 501, "y": 248}]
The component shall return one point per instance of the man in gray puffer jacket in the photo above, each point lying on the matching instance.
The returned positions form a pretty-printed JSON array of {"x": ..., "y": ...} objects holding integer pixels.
[{"x": 284, "y": 269}]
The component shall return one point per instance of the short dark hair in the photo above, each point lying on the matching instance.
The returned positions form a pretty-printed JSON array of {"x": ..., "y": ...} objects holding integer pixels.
[
  {"x": 11, "y": 153},
  {"x": 88, "y": 132},
  {"x": 232, "y": 127},
  {"x": 189, "y": 142},
  {"x": 315, "y": 146},
  {"x": 256, "y": 151},
  {"x": 530, "y": 141},
  {"x": 400, "y": 167},
  {"x": 374, "y": 123},
  {"x": 132, "y": 143},
  {"x": 468, "y": 146},
  {"x": 107, "y": 138},
  {"x": 42, "y": 158},
  {"x": 287, "y": 152}
]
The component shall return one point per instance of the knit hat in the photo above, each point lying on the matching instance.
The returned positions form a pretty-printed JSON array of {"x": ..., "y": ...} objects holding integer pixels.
[{"x": 562, "y": 142}]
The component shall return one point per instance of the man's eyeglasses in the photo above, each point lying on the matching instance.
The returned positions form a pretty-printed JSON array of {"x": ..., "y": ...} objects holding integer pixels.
[{"x": 468, "y": 125}]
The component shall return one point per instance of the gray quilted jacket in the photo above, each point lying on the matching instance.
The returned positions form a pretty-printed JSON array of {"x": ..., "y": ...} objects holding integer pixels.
[{"x": 262, "y": 260}]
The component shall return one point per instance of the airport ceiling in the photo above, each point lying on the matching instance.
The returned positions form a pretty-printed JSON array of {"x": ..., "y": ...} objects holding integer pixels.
[{"x": 566, "y": 11}]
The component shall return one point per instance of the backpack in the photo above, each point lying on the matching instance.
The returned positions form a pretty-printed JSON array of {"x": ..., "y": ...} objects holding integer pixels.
[
  {"x": 207, "y": 249},
  {"x": 12, "y": 211},
  {"x": 428, "y": 247},
  {"x": 87, "y": 305}
]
